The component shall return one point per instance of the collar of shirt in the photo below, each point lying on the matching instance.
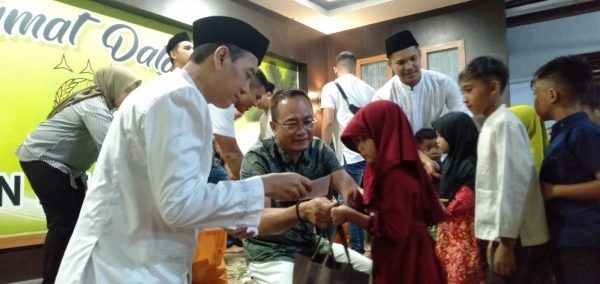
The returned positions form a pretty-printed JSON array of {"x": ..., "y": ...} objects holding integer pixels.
[
  {"x": 568, "y": 121},
  {"x": 407, "y": 88},
  {"x": 501, "y": 109}
]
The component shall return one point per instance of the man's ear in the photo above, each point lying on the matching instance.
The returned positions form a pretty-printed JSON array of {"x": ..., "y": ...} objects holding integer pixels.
[
  {"x": 220, "y": 56},
  {"x": 389, "y": 62},
  {"x": 273, "y": 125},
  {"x": 554, "y": 95}
]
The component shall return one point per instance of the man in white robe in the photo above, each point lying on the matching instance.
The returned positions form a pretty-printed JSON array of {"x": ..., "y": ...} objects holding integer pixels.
[
  {"x": 423, "y": 95},
  {"x": 149, "y": 193}
]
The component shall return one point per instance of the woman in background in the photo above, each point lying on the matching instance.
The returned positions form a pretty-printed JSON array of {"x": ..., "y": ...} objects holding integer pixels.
[{"x": 57, "y": 154}]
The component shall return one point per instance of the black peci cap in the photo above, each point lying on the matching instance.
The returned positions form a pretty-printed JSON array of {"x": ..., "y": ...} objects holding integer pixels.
[
  {"x": 399, "y": 41},
  {"x": 175, "y": 40},
  {"x": 220, "y": 29}
]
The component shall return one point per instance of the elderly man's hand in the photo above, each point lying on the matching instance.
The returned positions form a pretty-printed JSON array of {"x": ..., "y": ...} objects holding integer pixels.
[
  {"x": 286, "y": 186},
  {"x": 317, "y": 211}
]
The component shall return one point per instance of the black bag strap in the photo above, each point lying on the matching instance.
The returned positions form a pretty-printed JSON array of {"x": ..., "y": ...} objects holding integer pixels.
[{"x": 343, "y": 93}]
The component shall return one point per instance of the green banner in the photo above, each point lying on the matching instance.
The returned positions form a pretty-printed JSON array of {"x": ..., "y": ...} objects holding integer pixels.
[{"x": 49, "y": 50}]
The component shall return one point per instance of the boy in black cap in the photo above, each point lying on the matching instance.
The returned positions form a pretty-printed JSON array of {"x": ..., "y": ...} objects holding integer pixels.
[
  {"x": 179, "y": 48},
  {"x": 149, "y": 193}
]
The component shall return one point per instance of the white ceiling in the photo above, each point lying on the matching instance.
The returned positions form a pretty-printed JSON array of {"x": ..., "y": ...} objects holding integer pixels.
[{"x": 353, "y": 16}]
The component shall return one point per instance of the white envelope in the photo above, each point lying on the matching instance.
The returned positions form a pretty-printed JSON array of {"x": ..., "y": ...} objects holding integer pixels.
[{"x": 320, "y": 187}]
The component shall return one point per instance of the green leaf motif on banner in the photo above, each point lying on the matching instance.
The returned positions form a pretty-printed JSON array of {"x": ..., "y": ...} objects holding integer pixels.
[{"x": 67, "y": 88}]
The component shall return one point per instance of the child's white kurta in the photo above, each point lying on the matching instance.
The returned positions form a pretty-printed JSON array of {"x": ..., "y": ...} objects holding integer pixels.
[{"x": 508, "y": 198}]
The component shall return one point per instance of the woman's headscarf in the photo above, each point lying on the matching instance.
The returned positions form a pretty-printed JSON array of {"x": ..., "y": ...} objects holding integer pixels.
[
  {"x": 108, "y": 82},
  {"x": 385, "y": 123},
  {"x": 458, "y": 169},
  {"x": 538, "y": 138}
]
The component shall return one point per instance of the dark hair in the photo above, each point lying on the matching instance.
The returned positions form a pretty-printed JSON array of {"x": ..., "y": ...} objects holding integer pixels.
[
  {"x": 487, "y": 69},
  {"x": 592, "y": 97},
  {"x": 203, "y": 51},
  {"x": 570, "y": 72},
  {"x": 259, "y": 79},
  {"x": 285, "y": 94},
  {"x": 346, "y": 60},
  {"x": 425, "y": 134}
]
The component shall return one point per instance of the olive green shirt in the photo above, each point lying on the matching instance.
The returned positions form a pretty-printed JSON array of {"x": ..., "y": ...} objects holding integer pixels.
[{"x": 266, "y": 157}]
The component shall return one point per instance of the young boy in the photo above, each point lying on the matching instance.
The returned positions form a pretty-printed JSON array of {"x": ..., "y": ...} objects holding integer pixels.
[
  {"x": 570, "y": 173},
  {"x": 427, "y": 143},
  {"x": 509, "y": 205},
  {"x": 590, "y": 103}
]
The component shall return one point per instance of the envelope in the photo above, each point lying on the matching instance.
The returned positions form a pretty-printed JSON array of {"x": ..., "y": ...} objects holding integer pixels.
[{"x": 320, "y": 187}]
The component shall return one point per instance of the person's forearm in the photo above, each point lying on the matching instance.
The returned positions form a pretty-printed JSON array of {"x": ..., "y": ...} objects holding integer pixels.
[
  {"x": 583, "y": 191},
  {"x": 277, "y": 220},
  {"x": 233, "y": 160},
  {"x": 326, "y": 134},
  {"x": 362, "y": 220}
]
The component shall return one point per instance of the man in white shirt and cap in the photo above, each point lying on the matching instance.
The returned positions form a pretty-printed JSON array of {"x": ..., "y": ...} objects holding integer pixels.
[
  {"x": 179, "y": 49},
  {"x": 423, "y": 95},
  {"x": 149, "y": 194}
]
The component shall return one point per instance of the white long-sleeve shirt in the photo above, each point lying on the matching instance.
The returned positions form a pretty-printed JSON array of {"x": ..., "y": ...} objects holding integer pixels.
[
  {"x": 435, "y": 95},
  {"x": 508, "y": 199},
  {"x": 149, "y": 192}
]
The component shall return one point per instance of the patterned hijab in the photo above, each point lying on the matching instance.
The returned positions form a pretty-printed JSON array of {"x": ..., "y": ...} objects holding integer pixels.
[
  {"x": 108, "y": 82},
  {"x": 538, "y": 138},
  {"x": 458, "y": 169},
  {"x": 385, "y": 123}
]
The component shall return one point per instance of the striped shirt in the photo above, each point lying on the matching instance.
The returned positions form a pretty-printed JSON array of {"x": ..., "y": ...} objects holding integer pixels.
[{"x": 70, "y": 141}]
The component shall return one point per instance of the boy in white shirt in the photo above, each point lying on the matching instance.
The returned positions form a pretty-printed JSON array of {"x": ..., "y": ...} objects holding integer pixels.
[{"x": 509, "y": 209}]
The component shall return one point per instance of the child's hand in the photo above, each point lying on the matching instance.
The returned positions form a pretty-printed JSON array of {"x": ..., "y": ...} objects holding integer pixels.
[
  {"x": 317, "y": 211},
  {"x": 504, "y": 260},
  {"x": 340, "y": 214}
]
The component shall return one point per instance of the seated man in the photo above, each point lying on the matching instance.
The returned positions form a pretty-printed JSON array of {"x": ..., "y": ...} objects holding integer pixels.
[{"x": 287, "y": 227}]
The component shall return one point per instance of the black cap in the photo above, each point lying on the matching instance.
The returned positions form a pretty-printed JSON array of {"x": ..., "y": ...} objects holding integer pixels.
[
  {"x": 220, "y": 29},
  {"x": 399, "y": 41},
  {"x": 262, "y": 79},
  {"x": 175, "y": 40},
  {"x": 270, "y": 87}
]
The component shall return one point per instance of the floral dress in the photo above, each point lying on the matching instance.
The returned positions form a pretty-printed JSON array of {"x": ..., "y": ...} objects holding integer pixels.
[{"x": 457, "y": 249}]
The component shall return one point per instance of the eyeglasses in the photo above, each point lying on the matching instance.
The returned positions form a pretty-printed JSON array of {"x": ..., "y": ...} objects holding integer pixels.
[{"x": 295, "y": 126}]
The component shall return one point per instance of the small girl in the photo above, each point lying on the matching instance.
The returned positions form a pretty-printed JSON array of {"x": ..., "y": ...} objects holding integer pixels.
[
  {"x": 398, "y": 195},
  {"x": 457, "y": 248}
]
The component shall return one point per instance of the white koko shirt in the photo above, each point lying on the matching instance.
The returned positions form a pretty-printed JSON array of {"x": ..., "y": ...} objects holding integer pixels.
[
  {"x": 435, "y": 95},
  {"x": 508, "y": 199},
  {"x": 149, "y": 194}
]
